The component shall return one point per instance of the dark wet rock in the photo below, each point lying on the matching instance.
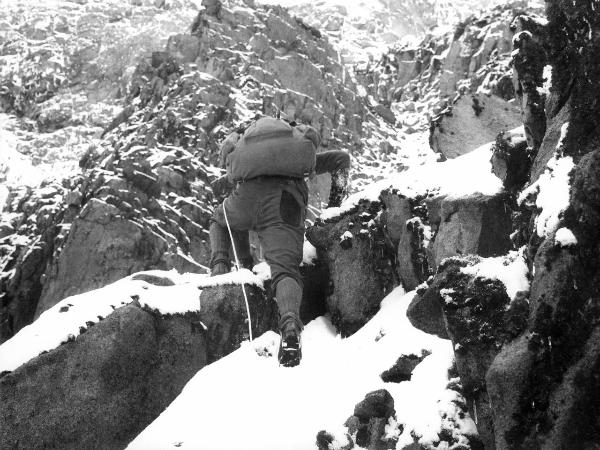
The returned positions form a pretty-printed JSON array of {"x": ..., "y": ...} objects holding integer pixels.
[
  {"x": 103, "y": 388},
  {"x": 425, "y": 312},
  {"x": 361, "y": 275},
  {"x": 479, "y": 318},
  {"x": 471, "y": 122},
  {"x": 370, "y": 419},
  {"x": 326, "y": 439},
  {"x": 544, "y": 385},
  {"x": 376, "y": 404},
  {"x": 402, "y": 369}
]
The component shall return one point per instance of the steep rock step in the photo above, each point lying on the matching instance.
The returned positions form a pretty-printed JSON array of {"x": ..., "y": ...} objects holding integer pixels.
[{"x": 103, "y": 387}]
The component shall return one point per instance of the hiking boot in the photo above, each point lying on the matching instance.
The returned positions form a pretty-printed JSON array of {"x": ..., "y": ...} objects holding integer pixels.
[
  {"x": 219, "y": 269},
  {"x": 290, "y": 347}
]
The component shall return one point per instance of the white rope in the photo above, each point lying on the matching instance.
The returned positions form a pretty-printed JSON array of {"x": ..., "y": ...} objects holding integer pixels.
[{"x": 237, "y": 268}]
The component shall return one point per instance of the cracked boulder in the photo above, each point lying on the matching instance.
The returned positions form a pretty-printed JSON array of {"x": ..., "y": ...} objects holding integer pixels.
[{"x": 406, "y": 224}]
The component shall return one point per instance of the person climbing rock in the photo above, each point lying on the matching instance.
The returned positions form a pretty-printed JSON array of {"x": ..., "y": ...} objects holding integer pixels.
[{"x": 268, "y": 164}]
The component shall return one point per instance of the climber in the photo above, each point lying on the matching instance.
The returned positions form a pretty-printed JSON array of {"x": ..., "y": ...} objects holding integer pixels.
[{"x": 268, "y": 164}]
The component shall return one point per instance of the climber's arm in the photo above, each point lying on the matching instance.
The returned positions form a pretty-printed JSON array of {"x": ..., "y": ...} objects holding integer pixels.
[
  {"x": 337, "y": 163},
  {"x": 332, "y": 161}
]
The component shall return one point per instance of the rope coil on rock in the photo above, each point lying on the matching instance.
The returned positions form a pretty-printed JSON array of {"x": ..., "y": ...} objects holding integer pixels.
[{"x": 237, "y": 269}]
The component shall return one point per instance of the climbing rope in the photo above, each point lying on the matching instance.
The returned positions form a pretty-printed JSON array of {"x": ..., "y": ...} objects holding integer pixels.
[{"x": 237, "y": 269}]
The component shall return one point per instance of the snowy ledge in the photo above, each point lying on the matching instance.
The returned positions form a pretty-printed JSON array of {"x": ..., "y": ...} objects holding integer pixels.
[
  {"x": 510, "y": 269},
  {"x": 460, "y": 177},
  {"x": 166, "y": 293},
  {"x": 550, "y": 193}
]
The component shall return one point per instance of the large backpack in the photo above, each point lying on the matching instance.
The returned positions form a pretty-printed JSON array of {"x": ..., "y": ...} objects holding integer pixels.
[{"x": 273, "y": 147}]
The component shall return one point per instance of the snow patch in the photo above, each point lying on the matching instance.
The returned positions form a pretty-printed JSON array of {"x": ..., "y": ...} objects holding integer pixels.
[
  {"x": 262, "y": 271},
  {"x": 510, "y": 269},
  {"x": 309, "y": 254},
  {"x": 552, "y": 190},
  {"x": 435, "y": 179},
  {"x": 334, "y": 375},
  {"x": 565, "y": 237}
]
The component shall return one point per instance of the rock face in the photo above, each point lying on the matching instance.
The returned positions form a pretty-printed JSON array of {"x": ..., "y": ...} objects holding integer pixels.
[
  {"x": 102, "y": 389},
  {"x": 472, "y": 121},
  {"x": 529, "y": 365},
  {"x": 223, "y": 313},
  {"x": 98, "y": 238},
  {"x": 477, "y": 224},
  {"x": 399, "y": 240}
]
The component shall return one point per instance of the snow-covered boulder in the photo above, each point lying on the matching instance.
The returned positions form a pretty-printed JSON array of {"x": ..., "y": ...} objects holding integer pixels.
[
  {"x": 100, "y": 389},
  {"x": 97, "y": 368}
]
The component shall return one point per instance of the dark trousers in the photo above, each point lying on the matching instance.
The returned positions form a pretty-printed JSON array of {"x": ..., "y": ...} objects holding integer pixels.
[{"x": 275, "y": 208}]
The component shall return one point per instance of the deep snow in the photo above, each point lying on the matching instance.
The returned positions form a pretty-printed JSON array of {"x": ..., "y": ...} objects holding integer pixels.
[{"x": 246, "y": 401}]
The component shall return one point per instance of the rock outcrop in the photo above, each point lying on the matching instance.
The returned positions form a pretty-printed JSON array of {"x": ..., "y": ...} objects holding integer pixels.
[
  {"x": 359, "y": 263},
  {"x": 528, "y": 363},
  {"x": 103, "y": 387}
]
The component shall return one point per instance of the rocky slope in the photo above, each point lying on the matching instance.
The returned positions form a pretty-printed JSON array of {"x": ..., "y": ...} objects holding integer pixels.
[
  {"x": 511, "y": 246},
  {"x": 143, "y": 198},
  {"x": 528, "y": 359}
]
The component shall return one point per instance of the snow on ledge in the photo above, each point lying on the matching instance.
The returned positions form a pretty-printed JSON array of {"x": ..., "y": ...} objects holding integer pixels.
[
  {"x": 466, "y": 175},
  {"x": 565, "y": 237},
  {"x": 510, "y": 269},
  {"x": 67, "y": 319},
  {"x": 551, "y": 190},
  {"x": 62, "y": 322}
]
